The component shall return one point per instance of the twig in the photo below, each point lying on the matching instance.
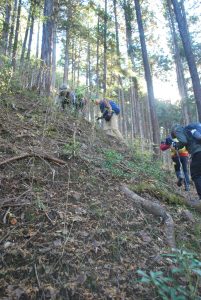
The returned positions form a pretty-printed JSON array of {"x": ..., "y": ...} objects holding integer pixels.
[
  {"x": 37, "y": 278},
  {"x": 5, "y": 216},
  {"x": 25, "y": 155}
]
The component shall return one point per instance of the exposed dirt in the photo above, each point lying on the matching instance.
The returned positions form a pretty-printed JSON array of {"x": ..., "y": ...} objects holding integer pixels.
[{"x": 66, "y": 231}]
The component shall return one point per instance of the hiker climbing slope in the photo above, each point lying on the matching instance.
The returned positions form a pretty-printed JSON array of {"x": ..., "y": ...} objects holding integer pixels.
[
  {"x": 110, "y": 112},
  {"x": 180, "y": 159},
  {"x": 190, "y": 136}
]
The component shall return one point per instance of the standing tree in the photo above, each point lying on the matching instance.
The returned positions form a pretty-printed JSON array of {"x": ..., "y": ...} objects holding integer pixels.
[
  {"x": 15, "y": 44},
  {"x": 148, "y": 77},
  {"x": 179, "y": 67},
  {"x": 46, "y": 48},
  {"x": 105, "y": 51},
  {"x": 183, "y": 29}
]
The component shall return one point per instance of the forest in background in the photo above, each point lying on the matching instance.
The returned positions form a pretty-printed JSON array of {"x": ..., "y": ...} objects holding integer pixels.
[{"x": 116, "y": 49}]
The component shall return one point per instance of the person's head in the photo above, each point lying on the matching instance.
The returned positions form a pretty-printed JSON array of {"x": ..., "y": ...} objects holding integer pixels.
[
  {"x": 174, "y": 129},
  {"x": 97, "y": 101},
  {"x": 63, "y": 87}
]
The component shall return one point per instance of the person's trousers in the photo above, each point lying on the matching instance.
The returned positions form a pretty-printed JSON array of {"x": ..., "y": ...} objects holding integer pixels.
[
  {"x": 195, "y": 168},
  {"x": 184, "y": 165},
  {"x": 111, "y": 127}
]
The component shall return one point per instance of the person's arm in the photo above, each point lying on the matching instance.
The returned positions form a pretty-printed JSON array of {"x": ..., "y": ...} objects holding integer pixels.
[
  {"x": 107, "y": 105},
  {"x": 164, "y": 146}
]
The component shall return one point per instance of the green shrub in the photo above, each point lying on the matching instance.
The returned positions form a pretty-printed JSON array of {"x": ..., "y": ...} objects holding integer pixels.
[{"x": 182, "y": 281}]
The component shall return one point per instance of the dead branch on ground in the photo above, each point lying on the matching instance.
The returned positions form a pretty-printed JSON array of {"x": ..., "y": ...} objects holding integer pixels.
[
  {"x": 157, "y": 210},
  {"x": 41, "y": 156}
]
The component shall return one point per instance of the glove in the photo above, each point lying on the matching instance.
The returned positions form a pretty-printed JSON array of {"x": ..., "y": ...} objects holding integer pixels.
[
  {"x": 168, "y": 141},
  {"x": 175, "y": 145},
  {"x": 99, "y": 118}
]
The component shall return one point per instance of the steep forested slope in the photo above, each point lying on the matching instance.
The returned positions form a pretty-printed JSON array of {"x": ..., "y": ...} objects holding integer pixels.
[{"x": 67, "y": 229}]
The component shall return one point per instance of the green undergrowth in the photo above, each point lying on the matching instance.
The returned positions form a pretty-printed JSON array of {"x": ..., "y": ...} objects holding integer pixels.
[
  {"x": 157, "y": 191},
  {"x": 136, "y": 166},
  {"x": 180, "y": 282}
]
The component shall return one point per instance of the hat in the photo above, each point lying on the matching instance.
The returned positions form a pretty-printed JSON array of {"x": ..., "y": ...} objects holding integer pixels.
[{"x": 63, "y": 87}]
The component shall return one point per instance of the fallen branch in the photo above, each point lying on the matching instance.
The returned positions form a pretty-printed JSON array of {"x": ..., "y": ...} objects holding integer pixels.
[
  {"x": 157, "y": 210},
  {"x": 41, "y": 156}
]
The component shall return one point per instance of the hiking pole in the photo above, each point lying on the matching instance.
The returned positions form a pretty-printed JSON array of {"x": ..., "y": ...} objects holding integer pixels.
[{"x": 182, "y": 169}]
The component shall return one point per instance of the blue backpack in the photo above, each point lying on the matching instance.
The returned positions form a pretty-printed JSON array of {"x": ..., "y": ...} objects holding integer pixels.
[{"x": 193, "y": 131}]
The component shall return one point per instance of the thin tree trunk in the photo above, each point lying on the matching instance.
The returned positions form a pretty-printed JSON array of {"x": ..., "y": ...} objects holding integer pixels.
[
  {"x": 11, "y": 36},
  {"x": 179, "y": 68},
  {"x": 38, "y": 40},
  {"x": 183, "y": 29},
  {"x": 122, "y": 99},
  {"x": 33, "y": 12},
  {"x": 5, "y": 30},
  {"x": 55, "y": 16},
  {"x": 154, "y": 120},
  {"x": 25, "y": 37},
  {"x": 105, "y": 51},
  {"x": 97, "y": 57},
  {"x": 15, "y": 45},
  {"x": 46, "y": 49}
]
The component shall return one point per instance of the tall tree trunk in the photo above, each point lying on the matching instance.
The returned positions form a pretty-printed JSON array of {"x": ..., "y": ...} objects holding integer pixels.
[
  {"x": 33, "y": 13},
  {"x": 55, "y": 16},
  {"x": 148, "y": 77},
  {"x": 15, "y": 44},
  {"x": 122, "y": 99},
  {"x": 97, "y": 57},
  {"x": 128, "y": 20},
  {"x": 179, "y": 68},
  {"x": 46, "y": 48},
  {"x": 183, "y": 29},
  {"x": 5, "y": 30},
  {"x": 25, "y": 37},
  {"x": 105, "y": 51},
  {"x": 66, "y": 61},
  {"x": 12, "y": 27},
  {"x": 38, "y": 39}
]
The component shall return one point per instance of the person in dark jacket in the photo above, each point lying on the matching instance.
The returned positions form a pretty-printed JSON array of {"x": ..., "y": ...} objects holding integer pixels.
[
  {"x": 193, "y": 145},
  {"x": 180, "y": 160},
  {"x": 110, "y": 112}
]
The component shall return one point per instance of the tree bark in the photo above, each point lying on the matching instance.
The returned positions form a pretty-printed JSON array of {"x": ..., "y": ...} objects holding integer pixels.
[
  {"x": 46, "y": 49},
  {"x": 15, "y": 44},
  {"x": 5, "y": 30},
  {"x": 183, "y": 29},
  {"x": 148, "y": 77},
  {"x": 55, "y": 16},
  {"x": 179, "y": 68},
  {"x": 11, "y": 36},
  {"x": 105, "y": 51},
  {"x": 25, "y": 36}
]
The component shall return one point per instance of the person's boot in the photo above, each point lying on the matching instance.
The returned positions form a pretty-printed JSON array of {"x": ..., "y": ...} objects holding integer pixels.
[
  {"x": 180, "y": 181},
  {"x": 180, "y": 178}
]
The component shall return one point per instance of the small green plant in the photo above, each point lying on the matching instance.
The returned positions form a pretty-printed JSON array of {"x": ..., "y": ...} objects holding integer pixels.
[
  {"x": 183, "y": 280},
  {"x": 112, "y": 162},
  {"x": 72, "y": 148}
]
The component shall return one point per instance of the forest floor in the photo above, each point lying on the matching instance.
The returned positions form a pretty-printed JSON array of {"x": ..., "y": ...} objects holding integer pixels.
[{"x": 66, "y": 229}]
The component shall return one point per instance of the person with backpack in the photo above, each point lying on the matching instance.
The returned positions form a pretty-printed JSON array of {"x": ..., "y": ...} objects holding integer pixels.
[
  {"x": 110, "y": 112},
  {"x": 66, "y": 97},
  {"x": 190, "y": 137},
  {"x": 180, "y": 160}
]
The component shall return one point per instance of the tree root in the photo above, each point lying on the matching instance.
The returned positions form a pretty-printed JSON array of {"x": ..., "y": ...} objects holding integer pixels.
[
  {"x": 41, "y": 156},
  {"x": 157, "y": 210}
]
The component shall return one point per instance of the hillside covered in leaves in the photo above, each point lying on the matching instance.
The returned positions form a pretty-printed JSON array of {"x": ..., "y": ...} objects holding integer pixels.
[{"x": 67, "y": 231}]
